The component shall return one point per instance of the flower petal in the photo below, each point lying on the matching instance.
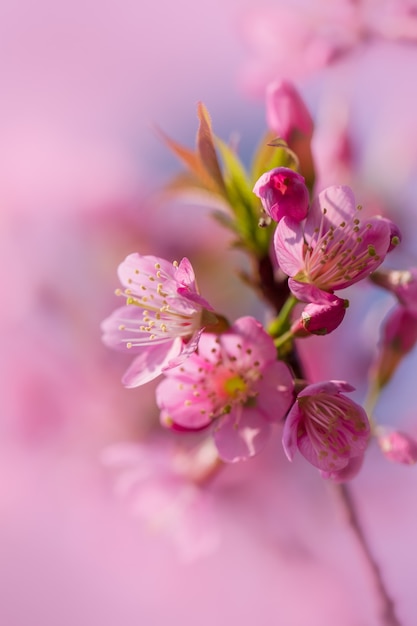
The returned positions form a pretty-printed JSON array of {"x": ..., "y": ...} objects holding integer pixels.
[
  {"x": 151, "y": 362},
  {"x": 289, "y": 245},
  {"x": 241, "y": 434},
  {"x": 275, "y": 391},
  {"x": 289, "y": 434},
  {"x": 339, "y": 204}
]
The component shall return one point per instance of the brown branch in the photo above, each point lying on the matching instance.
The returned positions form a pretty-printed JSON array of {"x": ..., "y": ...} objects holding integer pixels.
[{"x": 387, "y": 611}]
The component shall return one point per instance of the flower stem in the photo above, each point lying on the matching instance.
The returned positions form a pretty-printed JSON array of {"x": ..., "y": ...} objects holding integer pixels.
[
  {"x": 281, "y": 322},
  {"x": 386, "y": 606}
]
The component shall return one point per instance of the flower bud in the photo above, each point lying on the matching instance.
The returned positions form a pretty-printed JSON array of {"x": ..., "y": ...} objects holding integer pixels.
[
  {"x": 283, "y": 193},
  {"x": 320, "y": 318},
  {"x": 286, "y": 112},
  {"x": 397, "y": 447},
  {"x": 399, "y": 336}
]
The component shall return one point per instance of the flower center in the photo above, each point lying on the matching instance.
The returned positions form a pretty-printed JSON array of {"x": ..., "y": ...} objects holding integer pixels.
[{"x": 235, "y": 386}]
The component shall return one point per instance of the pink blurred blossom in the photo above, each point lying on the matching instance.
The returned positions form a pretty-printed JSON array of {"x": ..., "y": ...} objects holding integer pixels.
[
  {"x": 397, "y": 446},
  {"x": 157, "y": 479},
  {"x": 286, "y": 112}
]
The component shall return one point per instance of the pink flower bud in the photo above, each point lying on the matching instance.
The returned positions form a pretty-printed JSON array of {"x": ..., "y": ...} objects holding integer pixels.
[
  {"x": 286, "y": 112},
  {"x": 399, "y": 337},
  {"x": 283, "y": 193},
  {"x": 320, "y": 318},
  {"x": 397, "y": 446}
]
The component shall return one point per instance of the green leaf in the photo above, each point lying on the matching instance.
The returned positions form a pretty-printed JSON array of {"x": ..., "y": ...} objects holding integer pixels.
[{"x": 272, "y": 152}]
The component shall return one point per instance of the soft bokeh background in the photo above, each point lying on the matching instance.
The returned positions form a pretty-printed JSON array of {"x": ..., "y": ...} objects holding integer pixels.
[{"x": 82, "y": 83}]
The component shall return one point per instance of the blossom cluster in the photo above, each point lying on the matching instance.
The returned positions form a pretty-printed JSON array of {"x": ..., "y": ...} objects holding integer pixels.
[{"x": 237, "y": 381}]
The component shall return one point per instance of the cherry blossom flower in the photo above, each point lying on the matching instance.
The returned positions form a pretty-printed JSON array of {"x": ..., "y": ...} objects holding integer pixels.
[
  {"x": 235, "y": 382},
  {"x": 163, "y": 318},
  {"x": 289, "y": 40},
  {"x": 283, "y": 192},
  {"x": 333, "y": 248},
  {"x": 328, "y": 428},
  {"x": 156, "y": 481}
]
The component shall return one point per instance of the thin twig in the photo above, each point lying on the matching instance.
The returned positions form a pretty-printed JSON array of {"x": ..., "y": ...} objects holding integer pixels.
[{"x": 387, "y": 610}]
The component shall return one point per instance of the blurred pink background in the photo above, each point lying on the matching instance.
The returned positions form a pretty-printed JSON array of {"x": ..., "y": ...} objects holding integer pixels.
[{"x": 81, "y": 86}]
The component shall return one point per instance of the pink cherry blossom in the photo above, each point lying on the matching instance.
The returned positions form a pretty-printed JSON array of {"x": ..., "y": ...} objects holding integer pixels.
[
  {"x": 158, "y": 484},
  {"x": 286, "y": 111},
  {"x": 283, "y": 193},
  {"x": 163, "y": 317},
  {"x": 235, "y": 382},
  {"x": 328, "y": 428},
  {"x": 286, "y": 40},
  {"x": 298, "y": 39},
  {"x": 334, "y": 248}
]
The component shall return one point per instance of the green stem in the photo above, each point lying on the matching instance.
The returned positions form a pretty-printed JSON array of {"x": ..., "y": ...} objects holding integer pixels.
[
  {"x": 371, "y": 401},
  {"x": 281, "y": 323},
  {"x": 279, "y": 341}
]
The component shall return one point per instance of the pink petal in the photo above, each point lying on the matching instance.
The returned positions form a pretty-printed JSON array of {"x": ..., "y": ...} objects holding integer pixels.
[
  {"x": 346, "y": 473},
  {"x": 185, "y": 274},
  {"x": 186, "y": 350},
  {"x": 289, "y": 434},
  {"x": 331, "y": 387},
  {"x": 241, "y": 434},
  {"x": 321, "y": 457},
  {"x": 127, "y": 270},
  {"x": 340, "y": 206},
  {"x": 275, "y": 392},
  {"x": 116, "y": 336},
  {"x": 151, "y": 362},
  {"x": 289, "y": 246}
]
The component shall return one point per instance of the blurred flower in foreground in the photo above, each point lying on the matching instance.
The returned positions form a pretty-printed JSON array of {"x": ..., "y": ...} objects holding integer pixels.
[
  {"x": 163, "y": 318},
  {"x": 300, "y": 39},
  {"x": 328, "y": 428},
  {"x": 399, "y": 332},
  {"x": 160, "y": 484},
  {"x": 234, "y": 381}
]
